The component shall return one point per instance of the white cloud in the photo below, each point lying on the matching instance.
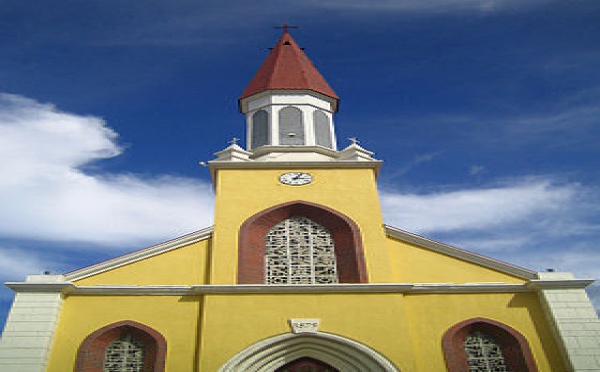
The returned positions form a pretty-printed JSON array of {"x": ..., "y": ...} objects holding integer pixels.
[
  {"x": 44, "y": 194},
  {"x": 477, "y": 209},
  {"x": 17, "y": 263},
  {"x": 531, "y": 222}
]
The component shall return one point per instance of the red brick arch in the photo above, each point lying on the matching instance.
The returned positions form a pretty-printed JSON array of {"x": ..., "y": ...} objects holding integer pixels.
[
  {"x": 90, "y": 356},
  {"x": 346, "y": 237},
  {"x": 514, "y": 346}
]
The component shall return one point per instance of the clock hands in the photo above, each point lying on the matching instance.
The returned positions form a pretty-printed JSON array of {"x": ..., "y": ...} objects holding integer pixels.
[
  {"x": 295, "y": 178},
  {"x": 298, "y": 176}
]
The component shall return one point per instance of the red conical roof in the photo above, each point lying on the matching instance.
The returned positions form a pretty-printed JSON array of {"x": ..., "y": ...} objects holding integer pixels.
[{"x": 288, "y": 68}]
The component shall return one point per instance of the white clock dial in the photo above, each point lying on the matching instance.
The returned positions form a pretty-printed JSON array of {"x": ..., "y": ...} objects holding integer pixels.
[{"x": 295, "y": 178}]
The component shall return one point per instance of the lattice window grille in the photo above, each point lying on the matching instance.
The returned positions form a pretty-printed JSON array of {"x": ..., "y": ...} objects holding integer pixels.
[
  {"x": 483, "y": 353},
  {"x": 300, "y": 251},
  {"x": 125, "y": 354}
]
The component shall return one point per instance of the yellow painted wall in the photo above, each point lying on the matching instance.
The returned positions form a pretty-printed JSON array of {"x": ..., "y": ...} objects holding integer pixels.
[
  {"x": 414, "y": 264},
  {"x": 241, "y": 193},
  {"x": 183, "y": 266},
  {"x": 175, "y": 317},
  {"x": 235, "y": 322},
  {"x": 407, "y": 329},
  {"x": 203, "y": 332},
  {"x": 431, "y": 315}
]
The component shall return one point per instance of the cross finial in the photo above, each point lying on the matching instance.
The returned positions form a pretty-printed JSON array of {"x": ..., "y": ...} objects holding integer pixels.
[
  {"x": 234, "y": 141},
  {"x": 354, "y": 140},
  {"x": 285, "y": 27}
]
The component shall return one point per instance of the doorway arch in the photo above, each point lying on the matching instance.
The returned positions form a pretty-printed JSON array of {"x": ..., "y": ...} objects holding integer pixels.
[{"x": 337, "y": 351}]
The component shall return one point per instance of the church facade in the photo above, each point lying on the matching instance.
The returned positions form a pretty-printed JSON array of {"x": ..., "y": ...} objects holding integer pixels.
[{"x": 299, "y": 273}]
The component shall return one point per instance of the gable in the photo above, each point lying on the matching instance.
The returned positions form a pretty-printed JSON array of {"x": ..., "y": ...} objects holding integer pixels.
[
  {"x": 180, "y": 261},
  {"x": 415, "y": 259}
]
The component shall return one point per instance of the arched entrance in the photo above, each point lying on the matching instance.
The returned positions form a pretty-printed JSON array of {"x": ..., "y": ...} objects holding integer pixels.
[
  {"x": 306, "y": 365},
  {"x": 323, "y": 350}
]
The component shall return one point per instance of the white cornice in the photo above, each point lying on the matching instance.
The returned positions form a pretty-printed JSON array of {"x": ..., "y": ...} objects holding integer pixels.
[
  {"x": 243, "y": 103},
  {"x": 193, "y": 290},
  {"x": 140, "y": 254},
  {"x": 214, "y": 164},
  {"x": 560, "y": 284},
  {"x": 459, "y": 253},
  {"x": 42, "y": 287},
  {"x": 260, "y": 151},
  {"x": 69, "y": 288}
]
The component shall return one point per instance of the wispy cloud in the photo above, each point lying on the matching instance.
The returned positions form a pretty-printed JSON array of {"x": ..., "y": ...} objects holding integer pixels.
[
  {"x": 532, "y": 222},
  {"x": 431, "y": 6},
  {"x": 16, "y": 263},
  {"x": 45, "y": 194},
  {"x": 482, "y": 208}
]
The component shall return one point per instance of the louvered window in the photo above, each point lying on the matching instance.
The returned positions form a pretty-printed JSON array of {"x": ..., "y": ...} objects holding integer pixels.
[
  {"x": 291, "y": 129},
  {"x": 322, "y": 129},
  {"x": 260, "y": 129}
]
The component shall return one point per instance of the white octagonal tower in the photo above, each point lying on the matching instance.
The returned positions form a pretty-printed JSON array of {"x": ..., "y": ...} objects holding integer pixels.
[{"x": 289, "y": 108}]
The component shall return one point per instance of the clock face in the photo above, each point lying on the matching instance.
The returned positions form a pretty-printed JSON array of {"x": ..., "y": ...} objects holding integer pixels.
[{"x": 295, "y": 178}]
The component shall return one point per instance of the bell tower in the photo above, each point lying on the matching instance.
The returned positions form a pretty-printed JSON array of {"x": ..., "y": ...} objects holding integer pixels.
[
  {"x": 291, "y": 183},
  {"x": 289, "y": 107}
]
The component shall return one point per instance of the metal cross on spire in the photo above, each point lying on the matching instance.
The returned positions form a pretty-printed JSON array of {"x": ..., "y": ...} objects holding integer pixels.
[
  {"x": 285, "y": 27},
  {"x": 354, "y": 140},
  {"x": 234, "y": 141}
]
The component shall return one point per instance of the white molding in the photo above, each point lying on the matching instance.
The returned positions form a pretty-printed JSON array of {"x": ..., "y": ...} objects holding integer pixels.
[
  {"x": 542, "y": 284},
  {"x": 459, "y": 253},
  {"x": 356, "y": 153},
  {"x": 214, "y": 164},
  {"x": 142, "y": 254},
  {"x": 233, "y": 153},
  {"x": 244, "y": 103},
  {"x": 26, "y": 287},
  {"x": 263, "y": 150},
  {"x": 194, "y": 290}
]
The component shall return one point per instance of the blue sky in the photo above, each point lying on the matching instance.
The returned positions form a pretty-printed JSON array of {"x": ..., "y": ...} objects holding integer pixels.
[{"x": 485, "y": 113}]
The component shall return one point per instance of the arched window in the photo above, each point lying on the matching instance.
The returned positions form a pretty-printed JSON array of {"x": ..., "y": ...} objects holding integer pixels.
[
  {"x": 483, "y": 353},
  {"x": 291, "y": 129},
  {"x": 260, "y": 129},
  {"x": 485, "y": 345},
  {"x": 293, "y": 243},
  {"x": 126, "y": 353},
  {"x": 322, "y": 129},
  {"x": 300, "y": 251},
  {"x": 125, "y": 346}
]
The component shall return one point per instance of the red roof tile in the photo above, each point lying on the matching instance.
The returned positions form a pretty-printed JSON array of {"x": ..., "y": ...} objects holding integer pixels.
[{"x": 288, "y": 68}]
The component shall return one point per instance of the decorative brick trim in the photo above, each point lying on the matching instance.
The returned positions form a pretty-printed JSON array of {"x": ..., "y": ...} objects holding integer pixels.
[
  {"x": 515, "y": 347},
  {"x": 90, "y": 356},
  {"x": 346, "y": 238}
]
